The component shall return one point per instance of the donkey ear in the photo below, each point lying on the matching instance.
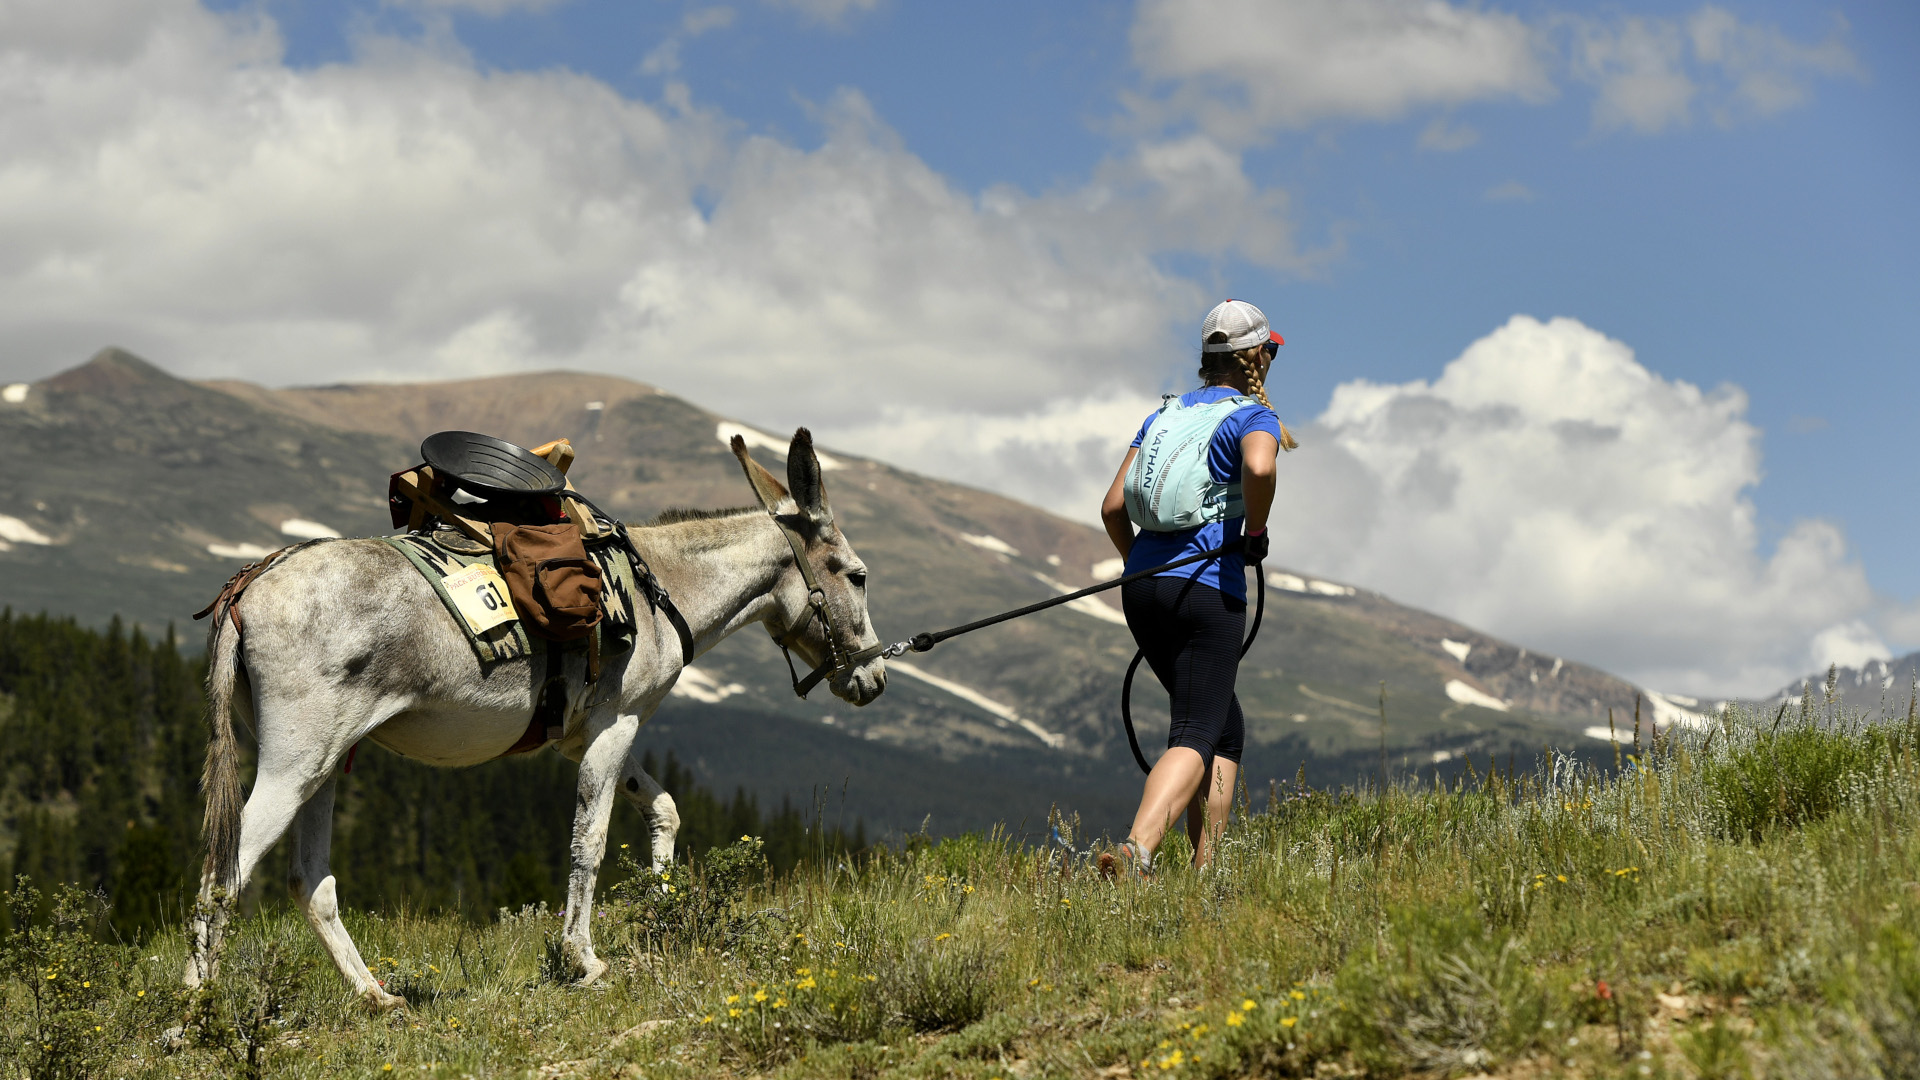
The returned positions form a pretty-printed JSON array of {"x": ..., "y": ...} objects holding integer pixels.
[
  {"x": 803, "y": 477},
  {"x": 772, "y": 496}
]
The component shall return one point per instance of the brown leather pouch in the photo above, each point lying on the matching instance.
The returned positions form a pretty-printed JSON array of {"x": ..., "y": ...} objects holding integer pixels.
[{"x": 556, "y": 588}]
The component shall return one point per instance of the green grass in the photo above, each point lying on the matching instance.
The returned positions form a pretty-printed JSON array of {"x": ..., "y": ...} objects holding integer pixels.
[{"x": 1741, "y": 903}]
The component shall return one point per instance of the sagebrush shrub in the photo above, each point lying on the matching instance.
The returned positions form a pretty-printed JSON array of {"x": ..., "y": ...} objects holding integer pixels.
[
  {"x": 86, "y": 1006},
  {"x": 682, "y": 905}
]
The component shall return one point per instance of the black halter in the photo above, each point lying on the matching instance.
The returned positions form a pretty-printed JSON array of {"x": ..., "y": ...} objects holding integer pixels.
[{"x": 838, "y": 661}]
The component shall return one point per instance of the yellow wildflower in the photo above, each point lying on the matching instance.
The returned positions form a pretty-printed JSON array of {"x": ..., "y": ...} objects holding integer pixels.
[
  {"x": 1297, "y": 996},
  {"x": 1561, "y": 878},
  {"x": 1234, "y": 1019},
  {"x": 779, "y": 1003},
  {"x": 707, "y": 1019},
  {"x": 805, "y": 984},
  {"x": 1249, "y": 1005},
  {"x": 1289, "y": 1021},
  {"x": 733, "y": 1012},
  {"x": 941, "y": 937},
  {"x": 731, "y": 998},
  {"x": 759, "y": 995}
]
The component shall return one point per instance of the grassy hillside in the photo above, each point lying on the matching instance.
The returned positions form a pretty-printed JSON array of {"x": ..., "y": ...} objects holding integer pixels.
[{"x": 1735, "y": 903}]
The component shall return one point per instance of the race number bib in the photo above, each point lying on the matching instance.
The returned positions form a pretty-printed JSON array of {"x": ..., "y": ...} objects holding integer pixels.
[{"x": 481, "y": 597}]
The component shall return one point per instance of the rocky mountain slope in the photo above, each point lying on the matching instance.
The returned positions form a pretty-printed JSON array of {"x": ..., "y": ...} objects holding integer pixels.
[
  {"x": 1878, "y": 688},
  {"x": 137, "y": 493}
]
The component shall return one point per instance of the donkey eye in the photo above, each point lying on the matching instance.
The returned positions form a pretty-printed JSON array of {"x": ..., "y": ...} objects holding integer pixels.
[{"x": 858, "y": 578}]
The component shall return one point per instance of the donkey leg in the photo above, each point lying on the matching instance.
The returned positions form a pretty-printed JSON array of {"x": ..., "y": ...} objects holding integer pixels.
[
  {"x": 654, "y": 804},
  {"x": 601, "y": 762},
  {"x": 277, "y": 796},
  {"x": 311, "y": 881}
]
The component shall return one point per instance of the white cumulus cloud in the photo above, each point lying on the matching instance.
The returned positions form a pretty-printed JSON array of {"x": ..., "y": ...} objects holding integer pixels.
[
  {"x": 1247, "y": 65},
  {"x": 1243, "y": 69},
  {"x": 827, "y": 11},
  {"x": 1550, "y": 488},
  {"x": 172, "y": 186}
]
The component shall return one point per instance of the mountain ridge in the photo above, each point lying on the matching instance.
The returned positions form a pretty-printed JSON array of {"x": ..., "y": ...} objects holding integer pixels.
[{"x": 154, "y": 489}]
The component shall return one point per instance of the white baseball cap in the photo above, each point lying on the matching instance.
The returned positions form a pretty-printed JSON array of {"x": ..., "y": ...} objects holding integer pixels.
[{"x": 1244, "y": 325}]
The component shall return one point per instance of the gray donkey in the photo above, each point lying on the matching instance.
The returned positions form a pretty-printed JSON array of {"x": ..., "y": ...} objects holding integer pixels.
[{"x": 345, "y": 640}]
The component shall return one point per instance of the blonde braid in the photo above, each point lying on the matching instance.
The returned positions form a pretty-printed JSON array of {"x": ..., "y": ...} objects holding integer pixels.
[{"x": 1258, "y": 384}]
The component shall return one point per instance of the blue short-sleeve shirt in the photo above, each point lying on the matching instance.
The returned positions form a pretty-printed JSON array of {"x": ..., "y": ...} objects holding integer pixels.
[{"x": 1225, "y": 572}]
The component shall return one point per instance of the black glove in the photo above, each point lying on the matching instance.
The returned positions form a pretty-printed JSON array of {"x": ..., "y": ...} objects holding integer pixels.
[{"x": 1254, "y": 547}]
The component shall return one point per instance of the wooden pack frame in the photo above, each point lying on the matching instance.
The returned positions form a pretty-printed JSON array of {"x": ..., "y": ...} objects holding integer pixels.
[{"x": 420, "y": 483}]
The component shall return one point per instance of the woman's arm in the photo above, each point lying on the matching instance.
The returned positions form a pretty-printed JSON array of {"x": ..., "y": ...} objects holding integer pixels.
[
  {"x": 1257, "y": 452},
  {"x": 1113, "y": 510}
]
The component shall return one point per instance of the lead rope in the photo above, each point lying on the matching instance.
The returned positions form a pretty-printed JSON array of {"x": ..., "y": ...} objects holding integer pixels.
[{"x": 925, "y": 642}]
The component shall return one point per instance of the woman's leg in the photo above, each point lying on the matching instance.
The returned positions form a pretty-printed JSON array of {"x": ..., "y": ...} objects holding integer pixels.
[
  {"x": 1171, "y": 786},
  {"x": 1190, "y": 635},
  {"x": 1211, "y": 808}
]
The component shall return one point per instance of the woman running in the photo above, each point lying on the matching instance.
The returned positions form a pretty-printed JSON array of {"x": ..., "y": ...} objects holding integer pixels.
[{"x": 1189, "y": 621}]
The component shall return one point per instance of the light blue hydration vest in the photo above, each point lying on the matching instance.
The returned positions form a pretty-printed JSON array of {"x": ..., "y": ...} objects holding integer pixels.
[{"x": 1169, "y": 486}]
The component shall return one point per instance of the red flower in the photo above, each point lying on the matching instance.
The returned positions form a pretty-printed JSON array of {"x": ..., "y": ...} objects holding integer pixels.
[{"x": 1602, "y": 991}]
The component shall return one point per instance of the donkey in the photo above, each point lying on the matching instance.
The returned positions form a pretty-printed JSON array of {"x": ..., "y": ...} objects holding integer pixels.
[{"x": 345, "y": 640}]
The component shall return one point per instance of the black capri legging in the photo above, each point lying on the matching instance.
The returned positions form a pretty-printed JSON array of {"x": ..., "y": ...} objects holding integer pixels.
[{"x": 1191, "y": 634}]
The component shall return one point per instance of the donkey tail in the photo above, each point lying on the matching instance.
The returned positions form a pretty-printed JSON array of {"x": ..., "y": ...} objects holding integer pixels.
[{"x": 220, "y": 781}]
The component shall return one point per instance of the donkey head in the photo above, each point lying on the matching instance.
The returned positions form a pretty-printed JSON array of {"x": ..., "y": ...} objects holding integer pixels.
[{"x": 801, "y": 507}]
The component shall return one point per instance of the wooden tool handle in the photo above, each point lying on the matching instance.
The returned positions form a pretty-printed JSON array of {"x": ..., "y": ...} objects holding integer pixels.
[{"x": 559, "y": 453}]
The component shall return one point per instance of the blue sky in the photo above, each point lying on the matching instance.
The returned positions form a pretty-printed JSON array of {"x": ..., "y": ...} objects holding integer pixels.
[{"x": 1051, "y": 196}]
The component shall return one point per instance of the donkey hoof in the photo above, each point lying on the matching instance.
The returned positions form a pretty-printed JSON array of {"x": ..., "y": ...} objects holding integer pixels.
[
  {"x": 592, "y": 968},
  {"x": 379, "y": 1001}
]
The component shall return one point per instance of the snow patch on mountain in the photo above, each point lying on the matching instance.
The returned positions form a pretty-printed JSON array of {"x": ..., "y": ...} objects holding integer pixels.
[
  {"x": 1467, "y": 695},
  {"x": 1086, "y": 605},
  {"x": 704, "y": 688},
  {"x": 15, "y": 531},
  {"x": 759, "y": 440},
  {"x": 308, "y": 530},
  {"x": 975, "y": 698},
  {"x": 238, "y": 551},
  {"x": 1286, "y": 582},
  {"x": 1672, "y": 710},
  {"x": 991, "y": 543}
]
